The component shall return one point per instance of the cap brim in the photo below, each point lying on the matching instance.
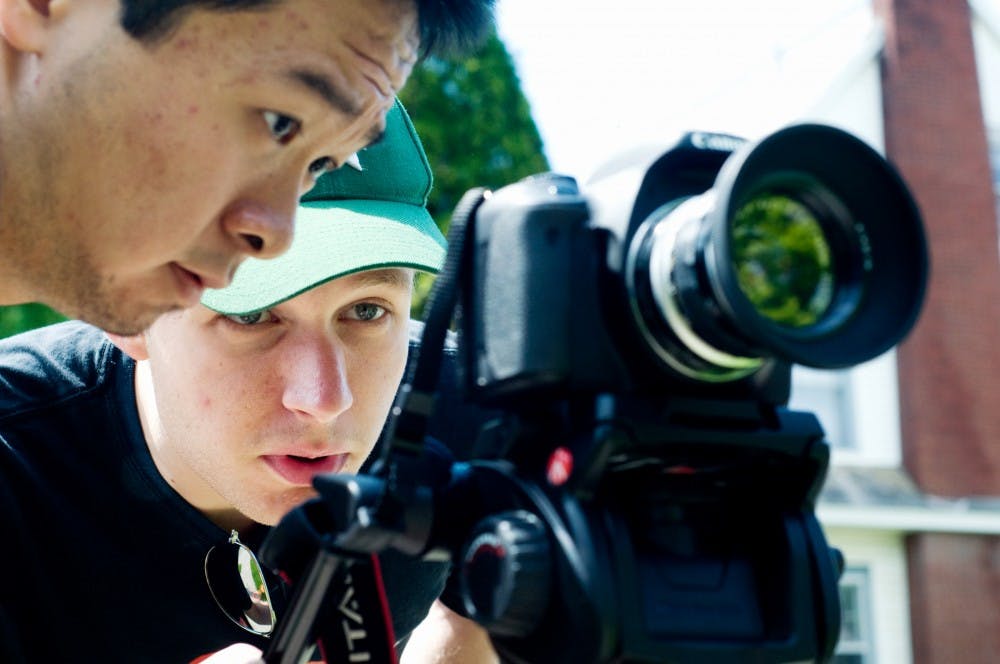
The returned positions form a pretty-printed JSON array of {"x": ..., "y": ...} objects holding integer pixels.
[{"x": 334, "y": 239}]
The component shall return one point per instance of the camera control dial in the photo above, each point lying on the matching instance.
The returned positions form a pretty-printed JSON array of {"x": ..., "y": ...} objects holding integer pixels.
[{"x": 506, "y": 573}]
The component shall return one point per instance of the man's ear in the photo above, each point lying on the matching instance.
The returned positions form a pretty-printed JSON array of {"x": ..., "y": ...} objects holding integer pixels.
[
  {"x": 24, "y": 23},
  {"x": 134, "y": 346}
]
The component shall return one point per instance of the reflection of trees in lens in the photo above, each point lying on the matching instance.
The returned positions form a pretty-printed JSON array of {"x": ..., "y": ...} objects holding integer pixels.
[
  {"x": 782, "y": 260},
  {"x": 258, "y": 579},
  {"x": 250, "y": 572}
]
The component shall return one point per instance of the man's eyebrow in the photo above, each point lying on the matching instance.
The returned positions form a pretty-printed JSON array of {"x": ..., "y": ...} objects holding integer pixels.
[
  {"x": 396, "y": 277},
  {"x": 335, "y": 99},
  {"x": 327, "y": 89}
]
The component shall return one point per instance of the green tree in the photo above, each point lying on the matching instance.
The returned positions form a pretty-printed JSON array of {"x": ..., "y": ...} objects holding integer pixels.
[
  {"x": 14, "y": 319},
  {"x": 475, "y": 124},
  {"x": 476, "y": 127}
]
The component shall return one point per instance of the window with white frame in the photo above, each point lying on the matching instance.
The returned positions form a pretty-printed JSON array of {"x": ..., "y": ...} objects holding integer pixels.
[
  {"x": 858, "y": 409},
  {"x": 856, "y": 645},
  {"x": 825, "y": 393},
  {"x": 875, "y": 598},
  {"x": 993, "y": 136}
]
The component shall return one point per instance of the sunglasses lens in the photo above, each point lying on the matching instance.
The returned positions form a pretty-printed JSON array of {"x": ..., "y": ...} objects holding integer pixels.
[{"x": 237, "y": 584}]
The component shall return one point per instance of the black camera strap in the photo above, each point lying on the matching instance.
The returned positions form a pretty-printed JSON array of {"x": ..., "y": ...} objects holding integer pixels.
[{"x": 414, "y": 403}]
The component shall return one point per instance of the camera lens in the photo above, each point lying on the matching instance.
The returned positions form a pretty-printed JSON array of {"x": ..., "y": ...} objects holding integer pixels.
[
  {"x": 782, "y": 260},
  {"x": 808, "y": 248}
]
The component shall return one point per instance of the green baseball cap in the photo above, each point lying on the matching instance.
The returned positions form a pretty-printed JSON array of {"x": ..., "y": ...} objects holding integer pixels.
[{"x": 368, "y": 214}]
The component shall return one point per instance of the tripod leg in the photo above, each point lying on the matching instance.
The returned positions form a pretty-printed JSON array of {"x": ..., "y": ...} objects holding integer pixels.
[{"x": 292, "y": 641}]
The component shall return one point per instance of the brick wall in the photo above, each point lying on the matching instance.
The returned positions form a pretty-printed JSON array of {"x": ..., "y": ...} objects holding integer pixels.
[
  {"x": 950, "y": 366},
  {"x": 954, "y": 598}
]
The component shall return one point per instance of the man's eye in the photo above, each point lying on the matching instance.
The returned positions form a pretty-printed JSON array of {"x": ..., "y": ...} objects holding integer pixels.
[
  {"x": 367, "y": 311},
  {"x": 255, "y": 318},
  {"x": 321, "y": 165},
  {"x": 282, "y": 127}
]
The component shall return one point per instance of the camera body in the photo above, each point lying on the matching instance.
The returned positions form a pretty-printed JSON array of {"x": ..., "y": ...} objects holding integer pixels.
[
  {"x": 552, "y": 308},
  {"x": 643, "y": 330},
  {"x": 661, "y": 276},
  {"x": 643, "y": 493}
]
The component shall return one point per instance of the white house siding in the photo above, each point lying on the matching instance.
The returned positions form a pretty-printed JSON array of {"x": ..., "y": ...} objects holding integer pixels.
[{"x": 882, "y": 555}]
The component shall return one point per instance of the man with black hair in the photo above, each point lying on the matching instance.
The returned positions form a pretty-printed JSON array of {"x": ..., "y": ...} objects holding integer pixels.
[{"x": 147, "y": 147}]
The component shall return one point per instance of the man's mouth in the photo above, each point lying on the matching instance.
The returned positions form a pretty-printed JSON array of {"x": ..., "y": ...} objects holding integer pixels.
[
  {"x": 189, "y": 284},
  {"x": 300, "y": 470}
]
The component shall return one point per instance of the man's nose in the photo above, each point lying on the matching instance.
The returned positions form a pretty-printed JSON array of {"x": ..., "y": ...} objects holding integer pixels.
[
  {"x": 262, "y": 227},
  {"x": 316, "y": 381}
]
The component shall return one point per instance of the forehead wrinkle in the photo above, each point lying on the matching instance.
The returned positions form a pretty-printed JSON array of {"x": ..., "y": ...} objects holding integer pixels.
[{"x": 327, "y": 90}]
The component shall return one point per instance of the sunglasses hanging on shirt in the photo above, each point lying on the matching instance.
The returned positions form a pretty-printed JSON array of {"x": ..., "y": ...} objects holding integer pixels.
[{"x": 236, "y": 580}]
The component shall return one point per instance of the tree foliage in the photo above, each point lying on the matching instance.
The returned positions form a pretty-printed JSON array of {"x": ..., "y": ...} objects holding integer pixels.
[
  {"x": 22, "y": 317},
  {"x": 475, "y": 124},
  {"x": 476, "y": 128}
]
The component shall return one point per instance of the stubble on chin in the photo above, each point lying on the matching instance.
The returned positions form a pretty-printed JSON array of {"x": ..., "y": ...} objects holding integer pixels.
[{"x": 117, "y": 310}]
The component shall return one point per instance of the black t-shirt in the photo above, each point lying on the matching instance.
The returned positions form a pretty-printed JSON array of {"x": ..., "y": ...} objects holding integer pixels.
[{"x": 101, "y": 559}]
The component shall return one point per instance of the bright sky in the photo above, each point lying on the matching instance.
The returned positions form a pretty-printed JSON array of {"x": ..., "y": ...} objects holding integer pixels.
[{"x": 602, "y": 77}]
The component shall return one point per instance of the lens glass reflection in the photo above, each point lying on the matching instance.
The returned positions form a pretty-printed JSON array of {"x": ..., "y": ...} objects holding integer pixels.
[
  {"x": 236, "y": 582},
  {"x": 782, "y": 260},
  {"x": 258, "y": 613}
]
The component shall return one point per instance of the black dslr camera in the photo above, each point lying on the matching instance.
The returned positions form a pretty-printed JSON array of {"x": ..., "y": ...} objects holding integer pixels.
[{"x": 644, "y": 494}]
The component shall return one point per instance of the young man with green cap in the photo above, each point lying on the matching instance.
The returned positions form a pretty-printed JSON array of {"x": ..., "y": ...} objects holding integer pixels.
[{"x": 133, "y": 463}]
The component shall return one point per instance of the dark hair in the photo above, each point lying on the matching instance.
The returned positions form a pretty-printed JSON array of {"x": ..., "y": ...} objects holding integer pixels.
[
  {"x": 446, "y": 26},
  {"x": 453, "y": 26}
]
